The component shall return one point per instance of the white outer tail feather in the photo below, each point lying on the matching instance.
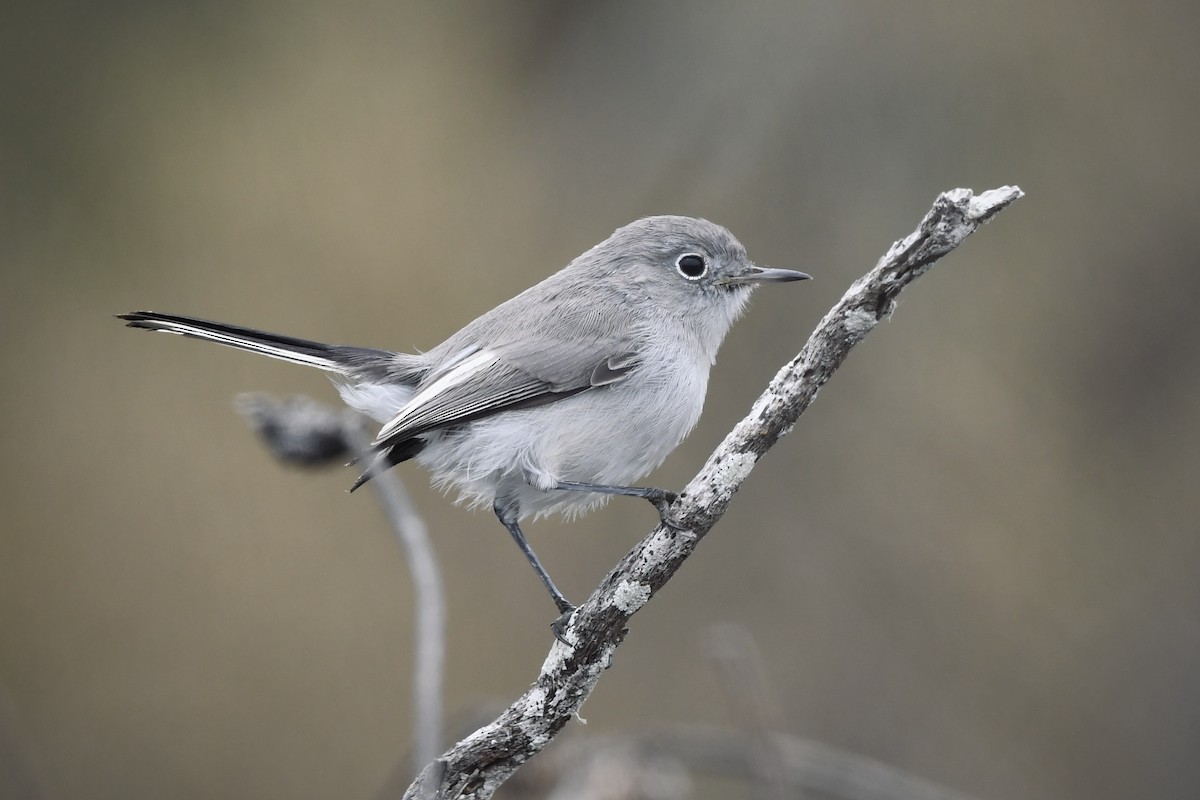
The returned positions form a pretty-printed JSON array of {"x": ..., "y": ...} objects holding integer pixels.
[{"x": 243, "y": 343}]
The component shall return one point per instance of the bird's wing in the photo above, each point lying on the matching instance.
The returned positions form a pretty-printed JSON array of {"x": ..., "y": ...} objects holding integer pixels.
[{"x": 484, "y": 380}]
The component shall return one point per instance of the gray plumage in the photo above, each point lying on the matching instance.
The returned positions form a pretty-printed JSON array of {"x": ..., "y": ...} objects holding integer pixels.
[{"x": 592, "y": 376}]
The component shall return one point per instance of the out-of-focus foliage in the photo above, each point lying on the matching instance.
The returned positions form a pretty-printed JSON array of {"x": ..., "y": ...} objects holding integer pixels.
[{"x": 976, "y": 559}]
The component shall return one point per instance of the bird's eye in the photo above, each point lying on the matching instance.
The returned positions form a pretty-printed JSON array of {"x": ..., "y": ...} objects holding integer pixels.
[{"x": 691, "y": 266}]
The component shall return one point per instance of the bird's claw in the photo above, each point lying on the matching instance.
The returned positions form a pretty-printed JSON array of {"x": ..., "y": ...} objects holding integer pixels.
[
  {"x": 559, "y": 626},
  {"x": 662, "y": 499}
]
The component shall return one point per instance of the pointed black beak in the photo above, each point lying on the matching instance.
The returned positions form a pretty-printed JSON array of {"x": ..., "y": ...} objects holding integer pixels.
[{"x": 754, "y": 275}]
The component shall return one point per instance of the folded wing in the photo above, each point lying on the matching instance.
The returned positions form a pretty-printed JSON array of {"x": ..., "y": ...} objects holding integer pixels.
[{"x": 486, "y": 381}]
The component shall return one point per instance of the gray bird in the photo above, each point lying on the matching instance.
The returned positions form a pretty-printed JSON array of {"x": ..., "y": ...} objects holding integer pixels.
[{"x": 559, "y": 397}]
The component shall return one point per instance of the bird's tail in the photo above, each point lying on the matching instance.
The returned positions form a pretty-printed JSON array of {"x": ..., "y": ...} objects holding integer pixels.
[{"x": 339, "y": 359}]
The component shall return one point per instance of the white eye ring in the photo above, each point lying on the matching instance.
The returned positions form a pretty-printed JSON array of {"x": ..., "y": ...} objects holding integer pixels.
[{"x": 692, "y": 266}]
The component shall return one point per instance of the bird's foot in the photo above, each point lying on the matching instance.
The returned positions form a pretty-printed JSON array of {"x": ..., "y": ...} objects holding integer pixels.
[
  {"x": 662, "y": 499},
  {"x": 559, "y": 626}
]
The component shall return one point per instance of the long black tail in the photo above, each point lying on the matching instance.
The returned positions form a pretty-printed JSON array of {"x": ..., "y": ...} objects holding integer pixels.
[{"x": 356, "y": 361}]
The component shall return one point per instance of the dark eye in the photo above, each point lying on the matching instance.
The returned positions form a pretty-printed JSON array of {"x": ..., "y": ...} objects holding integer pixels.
[{"x": 691, "y": 266}]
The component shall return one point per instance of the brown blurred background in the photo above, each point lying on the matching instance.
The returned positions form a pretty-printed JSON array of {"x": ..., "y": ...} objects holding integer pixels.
[{"x": 977, "y": 558}]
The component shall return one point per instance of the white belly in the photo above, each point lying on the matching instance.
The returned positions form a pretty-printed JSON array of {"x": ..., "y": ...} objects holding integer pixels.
[{"x": 612, "y": 435}]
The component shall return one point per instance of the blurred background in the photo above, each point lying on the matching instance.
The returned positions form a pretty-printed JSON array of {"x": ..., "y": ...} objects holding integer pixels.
[{"x": 976, "y": 559}]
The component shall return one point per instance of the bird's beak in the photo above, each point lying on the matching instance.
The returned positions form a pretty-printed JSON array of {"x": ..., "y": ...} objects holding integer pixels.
[{"x": 753, "y": 274}]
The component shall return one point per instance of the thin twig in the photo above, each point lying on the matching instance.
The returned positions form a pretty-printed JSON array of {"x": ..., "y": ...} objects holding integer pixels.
[
  {"x": 429, "y": 598},
  {"x": 480, "y": 763},
  {"x": 303, "y": 432}
]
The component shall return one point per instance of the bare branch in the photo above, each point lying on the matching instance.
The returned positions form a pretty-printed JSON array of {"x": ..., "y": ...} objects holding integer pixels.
[
  {"x": 429, "y": 598},
  {"x": 477, "y": 765},
  {"x": 303, "y": 432}
]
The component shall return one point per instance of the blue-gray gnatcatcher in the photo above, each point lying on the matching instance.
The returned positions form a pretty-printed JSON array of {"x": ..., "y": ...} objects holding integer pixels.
[{"x": 559, "y": 397}]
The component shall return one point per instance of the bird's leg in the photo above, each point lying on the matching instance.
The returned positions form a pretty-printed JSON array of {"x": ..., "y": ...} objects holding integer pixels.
[
  {"x": 661, "y": 499},
  {"x": 507, "y": 511}
]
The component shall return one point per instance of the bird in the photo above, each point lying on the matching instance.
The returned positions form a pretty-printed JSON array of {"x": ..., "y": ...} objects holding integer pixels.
[{"x": 557, "y": 399}]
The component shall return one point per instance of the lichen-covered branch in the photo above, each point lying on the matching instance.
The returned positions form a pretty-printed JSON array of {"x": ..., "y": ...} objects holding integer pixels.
[{"x": 477, "y": 765}]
